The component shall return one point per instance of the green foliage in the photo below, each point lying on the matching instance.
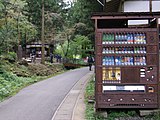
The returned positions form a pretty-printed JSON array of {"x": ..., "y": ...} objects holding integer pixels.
[
  {"x": 13, "y": 25},
  {"x": 7, "y": 37},
  {"x": 1, "y": 6},
  {"x": 121, "y": 114},
  {"x": 81, "y": 61},
  {"x": 155, "y": 116},
  {"x": 4, "y": 88},
  {"x": 90, "y": 113},
  {"x": 89, "y": 93},
  {"x": 79, "y": 45},
  {"x": 76, "y": 47},
  {"x": 54, "y": 18},
  {"x": 8, "y": 84},
  {"x": 9, "y": 76},
  {"x": 59, "y": 49},
  {"x": 80, "y": 23},
  {"x": 90, "y": 89},
  {"x": 11, "y": 56},
  {"x": 81, "y": 13},
  {"x": 13, "y": 76}
]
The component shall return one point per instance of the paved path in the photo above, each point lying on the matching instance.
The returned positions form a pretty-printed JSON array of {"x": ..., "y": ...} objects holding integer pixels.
[
  {"x": 40, "y": 101},
  {"x": 73, "y": 107}
]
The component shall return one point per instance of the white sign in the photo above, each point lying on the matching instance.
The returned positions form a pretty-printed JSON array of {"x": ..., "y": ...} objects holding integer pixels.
[{"x": 125, "y": 88}]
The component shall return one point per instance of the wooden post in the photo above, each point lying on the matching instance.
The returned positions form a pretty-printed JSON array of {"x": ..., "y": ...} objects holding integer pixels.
[{"x": 150, "y": 6}]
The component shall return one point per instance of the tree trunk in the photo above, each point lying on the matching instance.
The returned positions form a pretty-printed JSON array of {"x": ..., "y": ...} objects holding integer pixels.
[
  {"x": 42, "y": 35},
  {"x": 19, "y": 52}
]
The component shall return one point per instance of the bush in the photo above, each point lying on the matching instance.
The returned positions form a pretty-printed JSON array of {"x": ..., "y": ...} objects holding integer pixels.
[
  {"x": 1, "y": 70},
  {"x": 4, "y": 88},
  {"x": 9, "y": 76},
  {"x": 9, "y": 83},
  {"x": 23, "y": 62},
  {"x": 11, "y": 57},
  {"x": 13, "y": 77}
]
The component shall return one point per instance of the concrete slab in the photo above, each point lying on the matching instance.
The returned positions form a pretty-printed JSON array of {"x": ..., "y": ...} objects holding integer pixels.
[
  {"x": 148, "y": 112},
  {"x": 73, "y": 106}
]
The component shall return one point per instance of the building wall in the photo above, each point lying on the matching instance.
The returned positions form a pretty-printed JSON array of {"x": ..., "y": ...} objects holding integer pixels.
[{"x": 141, "y": 6}]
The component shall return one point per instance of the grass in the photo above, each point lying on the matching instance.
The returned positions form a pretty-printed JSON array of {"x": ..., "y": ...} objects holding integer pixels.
[
  {"x": 8, "y": 90},
  {"x": 11, "y": 84},
  {"x": 89, "y": 93},
  {"x": 90, "y": 113}
]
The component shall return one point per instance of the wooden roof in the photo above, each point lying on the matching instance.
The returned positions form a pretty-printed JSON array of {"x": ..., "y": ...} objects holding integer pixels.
[{"x": 112, "y": 6}]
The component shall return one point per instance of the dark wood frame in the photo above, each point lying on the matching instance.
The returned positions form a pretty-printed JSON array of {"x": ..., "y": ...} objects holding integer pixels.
[{"x": 140, "y": 100}]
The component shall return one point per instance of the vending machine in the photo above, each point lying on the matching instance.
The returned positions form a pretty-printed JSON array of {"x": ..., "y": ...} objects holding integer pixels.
[{"x": 127, "y": 60}]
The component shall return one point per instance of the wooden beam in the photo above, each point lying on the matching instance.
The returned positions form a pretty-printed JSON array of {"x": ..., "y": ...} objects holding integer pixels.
[{"x": 150, "y": 6}]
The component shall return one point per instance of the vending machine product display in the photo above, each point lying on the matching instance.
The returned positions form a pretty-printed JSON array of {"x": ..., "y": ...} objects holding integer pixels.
[{"x": 127, "y": 60}]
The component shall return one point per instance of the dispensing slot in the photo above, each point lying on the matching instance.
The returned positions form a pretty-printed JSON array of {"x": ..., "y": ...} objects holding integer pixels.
[{"x": 150, "y": 89}]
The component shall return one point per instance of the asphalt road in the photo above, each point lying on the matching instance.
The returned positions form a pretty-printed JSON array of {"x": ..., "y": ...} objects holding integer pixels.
[{"x": 40, "y": 100}]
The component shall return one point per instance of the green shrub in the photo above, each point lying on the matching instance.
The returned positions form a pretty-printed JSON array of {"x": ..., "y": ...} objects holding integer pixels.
[
  {"x": 1, "y": 70},
  {"x": 14, "y": 77},
  {"x": 10, "y": 83},
  {"x": 5, "y": 88},
  {"x": 11, "y": 57},
  {"x": 9, "y": 76}
]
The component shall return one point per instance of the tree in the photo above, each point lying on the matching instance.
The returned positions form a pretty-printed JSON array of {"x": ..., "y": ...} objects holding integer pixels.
[
  {"x": 53, "y": 20},
  {"x": 82, "y": 10},
  {"x": 80, "y": 17},
  {"x": 63, "y": 40},
  {"x": 20, "y": 21},
  {"x": 76, "y": 47},
  {"x": 52, "y": 10},
  {"x": 13, "y": 25},
  {"x": 79, "y": 46}
]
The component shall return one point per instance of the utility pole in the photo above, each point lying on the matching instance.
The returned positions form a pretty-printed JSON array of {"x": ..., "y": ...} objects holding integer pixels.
[{"x": 42, "y": 35}]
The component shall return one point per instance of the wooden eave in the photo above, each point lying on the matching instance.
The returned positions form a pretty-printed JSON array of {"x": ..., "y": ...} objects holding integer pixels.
[
  {"x": 126, "y": 15},
  {"x": 112, "y": 6}
]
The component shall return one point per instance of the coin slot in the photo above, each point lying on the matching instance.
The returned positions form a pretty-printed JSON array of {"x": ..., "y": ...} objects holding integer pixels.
[{"x": 150, "y": 89}]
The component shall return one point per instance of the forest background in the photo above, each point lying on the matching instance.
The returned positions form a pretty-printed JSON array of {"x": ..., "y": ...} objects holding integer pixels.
[{"x": 68, "y": 30}]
